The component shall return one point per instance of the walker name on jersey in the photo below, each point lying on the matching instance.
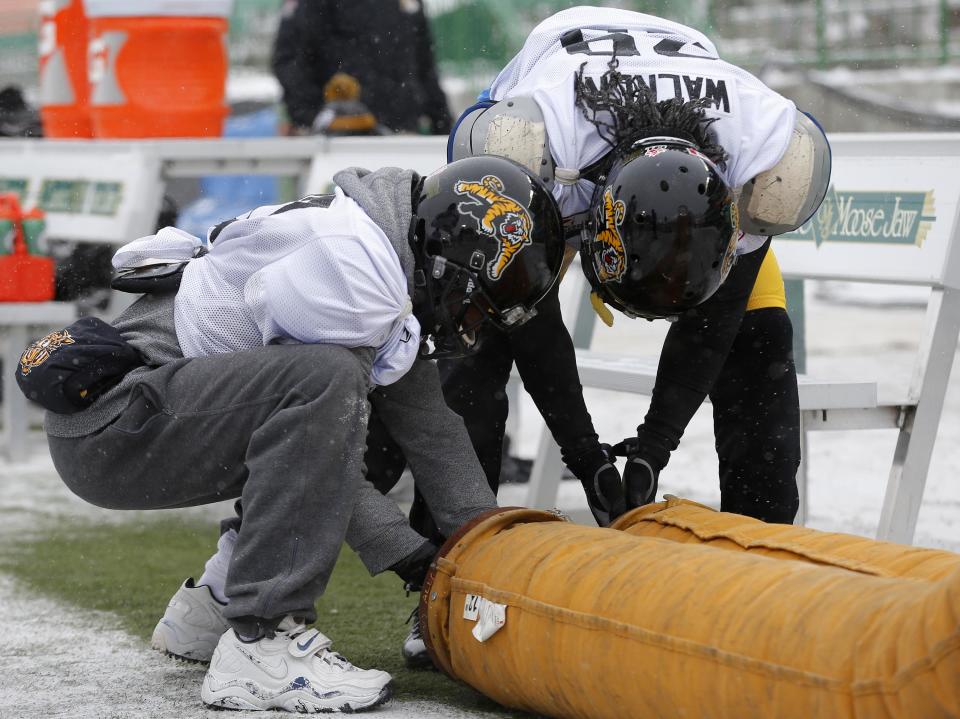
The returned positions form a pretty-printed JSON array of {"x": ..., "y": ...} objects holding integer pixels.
[
  {"x": 901, "y": 218},
  {"x": 669, "y": 85}
]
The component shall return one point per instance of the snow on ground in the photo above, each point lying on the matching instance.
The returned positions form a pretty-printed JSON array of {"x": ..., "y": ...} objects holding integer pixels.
[{"x": 60, "y": 662}]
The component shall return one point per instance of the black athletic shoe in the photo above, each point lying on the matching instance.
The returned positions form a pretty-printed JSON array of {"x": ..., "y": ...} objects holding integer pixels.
[{"x": 414, "y": 650}]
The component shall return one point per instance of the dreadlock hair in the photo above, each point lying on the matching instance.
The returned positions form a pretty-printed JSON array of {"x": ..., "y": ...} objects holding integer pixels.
[{"x": 624, "y": 109}]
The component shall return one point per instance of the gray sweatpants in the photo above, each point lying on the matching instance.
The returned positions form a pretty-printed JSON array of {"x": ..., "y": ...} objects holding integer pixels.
[{"x": 281, "y": 427}]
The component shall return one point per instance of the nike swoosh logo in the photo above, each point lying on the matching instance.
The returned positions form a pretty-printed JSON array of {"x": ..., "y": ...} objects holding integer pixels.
[
  {"x": 277, "y": 670},
  {"x": 303, "y": 647}
]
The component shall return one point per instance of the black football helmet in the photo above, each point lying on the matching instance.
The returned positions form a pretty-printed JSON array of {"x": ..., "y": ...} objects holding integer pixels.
[
  {"x": 488, "y": 244},
  {"x": 662, "y": 231}
]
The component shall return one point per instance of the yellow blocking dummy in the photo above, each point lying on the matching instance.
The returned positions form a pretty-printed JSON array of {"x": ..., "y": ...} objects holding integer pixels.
[
  {"x": 585, "y": 622},
  {"x": 681, "y": 520}
]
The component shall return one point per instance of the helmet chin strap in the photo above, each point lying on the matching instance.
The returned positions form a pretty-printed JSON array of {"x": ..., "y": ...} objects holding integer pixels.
[
  {"x": 603, "y": 312},
  {"x": 449, "y": 344},
  {"x": 439, "y": 330}
]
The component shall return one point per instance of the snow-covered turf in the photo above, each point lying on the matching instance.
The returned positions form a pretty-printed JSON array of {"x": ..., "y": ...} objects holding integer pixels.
[{"x": 60, "y": 662}]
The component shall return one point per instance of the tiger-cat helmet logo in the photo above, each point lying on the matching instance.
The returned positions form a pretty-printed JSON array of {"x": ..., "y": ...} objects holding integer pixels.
[
  {"x": 613, "y": 258},
  {"x": 39, "y": 352},
  {"x": 499, "y": 216}
]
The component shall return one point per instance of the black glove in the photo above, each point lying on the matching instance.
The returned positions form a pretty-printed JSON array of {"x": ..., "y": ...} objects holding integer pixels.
[
  {"x": 646, "y": 455},
  {"x": 601, "y": 482},
  {"x": 413, "y": 568}
]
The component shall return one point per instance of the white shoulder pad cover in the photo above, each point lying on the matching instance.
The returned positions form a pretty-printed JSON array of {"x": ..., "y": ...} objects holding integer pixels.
[
  {"x": 511, "y": 128},
  {"x": 785, "y": 196}
]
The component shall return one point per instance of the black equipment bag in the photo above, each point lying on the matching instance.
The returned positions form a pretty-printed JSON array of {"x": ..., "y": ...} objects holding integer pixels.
[{"x": 67, "y": 370}]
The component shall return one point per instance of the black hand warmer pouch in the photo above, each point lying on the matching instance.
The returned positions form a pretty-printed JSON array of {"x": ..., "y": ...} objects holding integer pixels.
[
  {"x": 67, "y": 370},
  {"x": 154, "y": 279}
]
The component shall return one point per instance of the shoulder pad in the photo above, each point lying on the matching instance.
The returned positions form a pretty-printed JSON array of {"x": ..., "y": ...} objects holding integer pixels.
[
  {"x": 511, "y": 128},
  {"x": 788, "y": 194}
]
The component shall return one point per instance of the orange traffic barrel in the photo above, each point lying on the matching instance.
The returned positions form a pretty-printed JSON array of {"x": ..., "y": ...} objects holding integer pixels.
[
  {"x": 64, "y": 89},
  {"x": 565, "y": 620},
  {"x": 158, "y": 68}
]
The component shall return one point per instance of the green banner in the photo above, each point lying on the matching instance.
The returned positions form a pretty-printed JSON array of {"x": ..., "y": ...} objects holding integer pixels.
[
  {"x": 16, "y": 185},
  {"x": 107, "y": 197},
  {"x": 63, "y": 195},
  {"x": 883, "y": 217}
]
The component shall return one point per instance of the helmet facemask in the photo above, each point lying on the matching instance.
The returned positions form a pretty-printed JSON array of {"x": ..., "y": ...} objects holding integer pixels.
[{"x": 455, "y": 307}]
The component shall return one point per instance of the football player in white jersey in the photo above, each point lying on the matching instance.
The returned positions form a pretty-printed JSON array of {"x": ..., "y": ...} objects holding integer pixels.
[
  {"x": 618, "y": 112},
  {"x": 253, "y": 381}
]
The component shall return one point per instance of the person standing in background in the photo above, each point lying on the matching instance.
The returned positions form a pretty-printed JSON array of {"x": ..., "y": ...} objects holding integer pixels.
[{"x": 385, "y": 45}]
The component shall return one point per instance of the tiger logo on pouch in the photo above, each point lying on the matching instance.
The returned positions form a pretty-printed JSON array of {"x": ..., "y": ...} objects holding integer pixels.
[
  {"x": 39, "y": 352},
  {"x": 613, "y": 258},
  {"x": 500, "y": 216}
]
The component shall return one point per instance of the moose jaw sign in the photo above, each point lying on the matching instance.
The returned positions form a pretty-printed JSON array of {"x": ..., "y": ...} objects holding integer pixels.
[{"x": 884, "y": 219}]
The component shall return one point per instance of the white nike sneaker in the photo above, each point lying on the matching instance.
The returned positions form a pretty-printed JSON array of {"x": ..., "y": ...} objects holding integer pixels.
[
  {"x": 294, "y": 671},
  {"x": 192, "y": 624}
]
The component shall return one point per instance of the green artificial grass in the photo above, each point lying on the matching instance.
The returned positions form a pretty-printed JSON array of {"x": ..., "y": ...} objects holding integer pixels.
[{"x": 132, "y": 570}]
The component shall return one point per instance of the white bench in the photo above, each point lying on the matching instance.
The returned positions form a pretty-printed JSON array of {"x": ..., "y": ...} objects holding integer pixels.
[
  {"x": 17, "y": 321},
  {"x": 891, "y": 217}
]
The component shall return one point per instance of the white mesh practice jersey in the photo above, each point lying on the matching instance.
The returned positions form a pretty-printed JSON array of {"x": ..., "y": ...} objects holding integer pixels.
[
  {"x": 313, "y": 271},
  {"x": 754, "y": 123}
]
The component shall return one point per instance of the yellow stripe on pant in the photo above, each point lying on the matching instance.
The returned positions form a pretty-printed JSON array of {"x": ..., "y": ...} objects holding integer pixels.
[
  {"x": 602, "y": 623},
  {"x": 768, "y": 290}
]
